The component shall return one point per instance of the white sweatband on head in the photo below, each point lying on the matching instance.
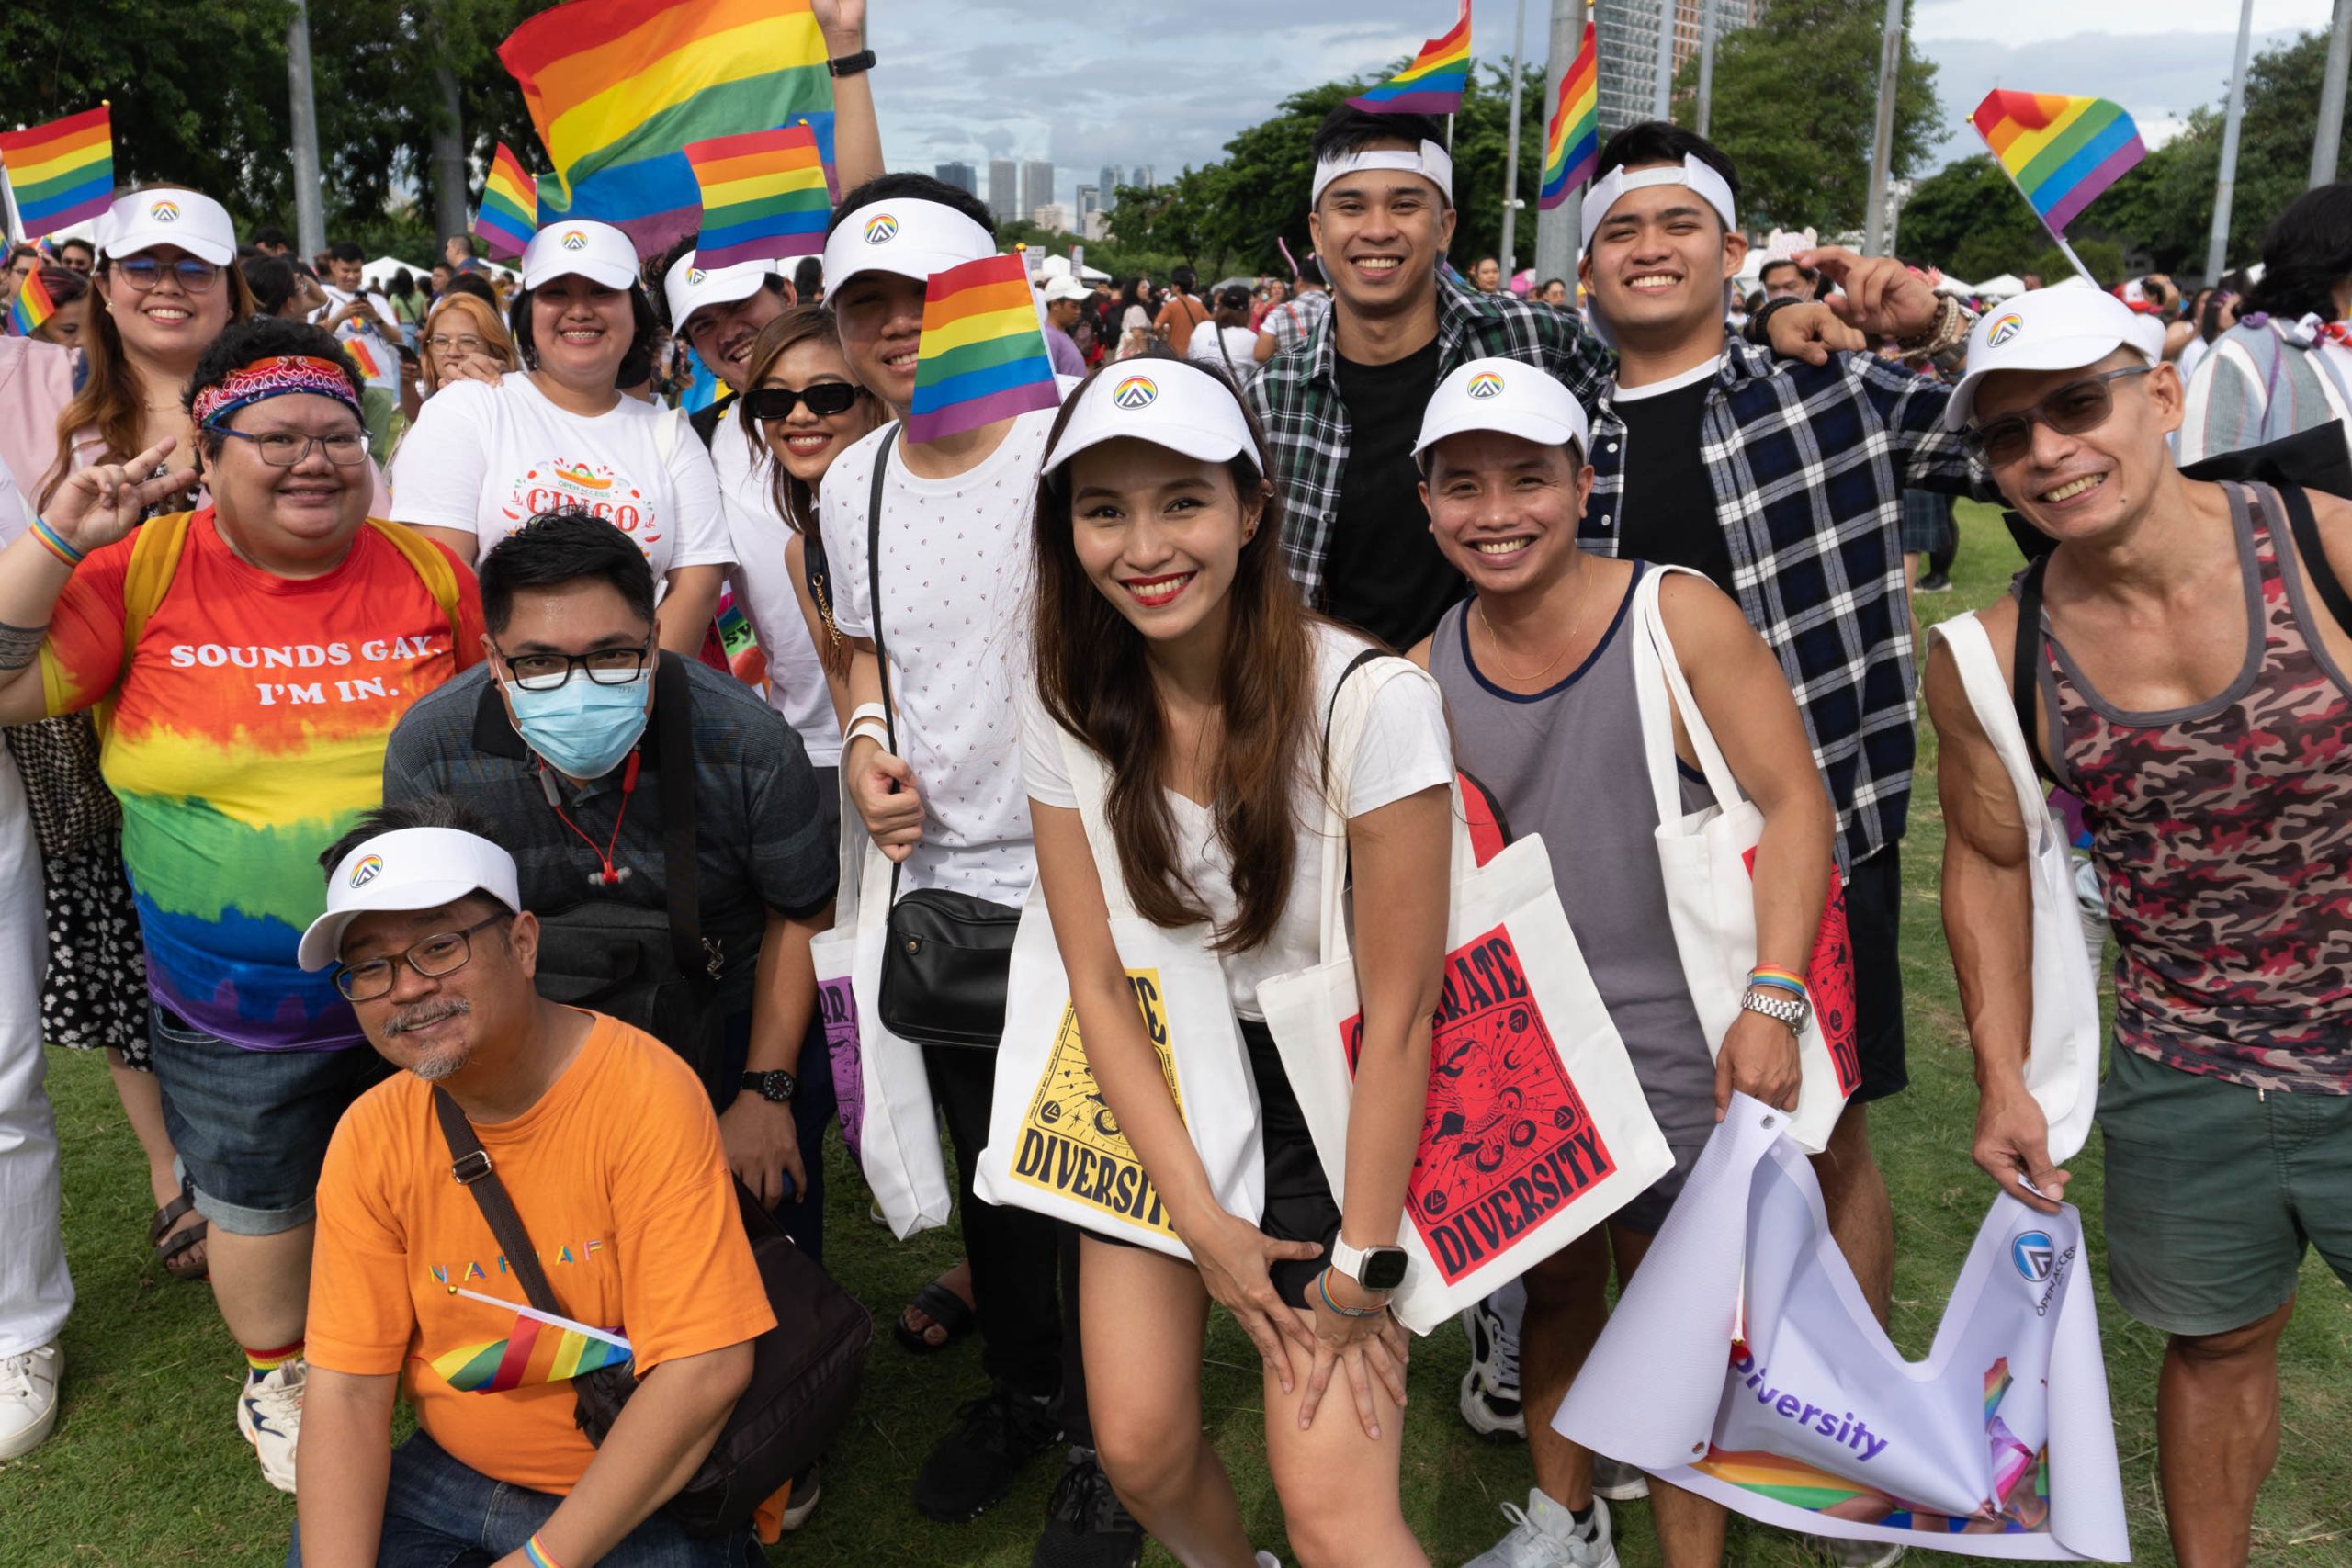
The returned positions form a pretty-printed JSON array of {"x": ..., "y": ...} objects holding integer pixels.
[
  {"x": 1431, "y": 162},
  {"x": 1705, "y": 182}
]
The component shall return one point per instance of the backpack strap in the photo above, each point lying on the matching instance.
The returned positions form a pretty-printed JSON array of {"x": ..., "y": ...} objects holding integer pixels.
[
  {"x": 156, "y": 545},
  {"x": 433, "y": 568},
  {"x": 2025, "y": 669},
  {"x": 2317, "y": 569}
]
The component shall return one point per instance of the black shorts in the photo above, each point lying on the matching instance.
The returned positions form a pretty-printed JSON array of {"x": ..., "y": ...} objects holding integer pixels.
[
  {"x": 1299, "y": 1205},
  {"x": 1874, "y": 925}
]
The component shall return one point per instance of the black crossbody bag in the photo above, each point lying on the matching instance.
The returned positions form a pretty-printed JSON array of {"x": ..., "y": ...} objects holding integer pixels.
[
  {"x": 805, "y": 1371},
  {"x": 950, "y": 955}
]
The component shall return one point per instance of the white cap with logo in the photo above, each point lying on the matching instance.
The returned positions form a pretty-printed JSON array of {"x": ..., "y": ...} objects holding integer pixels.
[
  {"x": 913, "y": 238},
  {"x": 597, "y": 251},
  {"x": 2051, "y": 329},
  {"x": 1502, "y": 395},
  {"x": 689, "y": 288},
  {"x": 144, "y": 219},
  {"x": 1061, "y": 285},
  {"x": 405, "y": 870},
  {"x": 1165, "y": 401}
]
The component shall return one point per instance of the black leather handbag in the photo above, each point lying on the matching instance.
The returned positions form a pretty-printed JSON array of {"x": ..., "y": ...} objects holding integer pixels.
[{"x": 950, "y": 955}]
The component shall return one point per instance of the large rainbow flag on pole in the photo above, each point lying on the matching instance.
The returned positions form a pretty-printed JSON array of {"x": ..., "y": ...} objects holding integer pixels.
[
  {"x": 63, "y": 172},
  {"x": 510, "y": 205},
  {"x": 982, "y": 355},
  {"x": 763, "y": 195},
  {"x": 1432, "y": 83},
  {"x": 2061, "y": 152},
  {"x": 616, "y": 87},
  {"x": 1572, "y": 146}
]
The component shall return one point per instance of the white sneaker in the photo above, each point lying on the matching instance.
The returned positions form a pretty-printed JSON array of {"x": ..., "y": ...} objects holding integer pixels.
[
  {"x": 29, "y": 1398},
  {"x": 1618, "y": 1482},
  {"x": 1858, "y": 1554},
  {"x": 1490, "y": 1402},
  {"x": 270, "y": 1413},
  {"x": 1267, "y": 1560},
  {"x": 1544, "y": 1536}
]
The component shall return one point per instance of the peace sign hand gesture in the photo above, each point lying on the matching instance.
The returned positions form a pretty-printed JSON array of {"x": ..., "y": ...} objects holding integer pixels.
[{"x": 95, "y": 506}]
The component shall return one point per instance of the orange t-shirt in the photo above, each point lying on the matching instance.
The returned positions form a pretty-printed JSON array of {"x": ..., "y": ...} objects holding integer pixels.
[
  {"x": 1177, "y": 318},
  {"x": 621, "y": 1183}
]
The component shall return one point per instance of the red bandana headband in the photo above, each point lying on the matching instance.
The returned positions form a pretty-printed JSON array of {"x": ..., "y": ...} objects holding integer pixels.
[{"x": 273, "y": 378}]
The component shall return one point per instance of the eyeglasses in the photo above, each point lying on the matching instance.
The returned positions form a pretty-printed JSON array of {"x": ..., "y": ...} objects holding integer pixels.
[
  {"x": 444, "y": 953},
  {"x": 545, "y": 672},
  {"x": 194, "y": 276},
  {"x": 465, "y": 345},
  {"x": 286, "y": 449},
  {"x": 2071, "y": 410},
  {"x": 825, "y": 399}
]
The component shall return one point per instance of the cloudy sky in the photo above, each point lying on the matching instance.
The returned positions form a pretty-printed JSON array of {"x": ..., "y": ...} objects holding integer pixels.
[{"x": 1167, "y": 84}]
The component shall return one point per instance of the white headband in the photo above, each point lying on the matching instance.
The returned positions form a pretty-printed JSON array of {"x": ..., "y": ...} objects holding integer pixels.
[
  {"x": 1709, "y": 185},
  {"x": 1431, "y": 162}
]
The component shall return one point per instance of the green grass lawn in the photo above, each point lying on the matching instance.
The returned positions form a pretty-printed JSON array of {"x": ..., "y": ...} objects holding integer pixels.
[{"x": 146, "y": 1467}]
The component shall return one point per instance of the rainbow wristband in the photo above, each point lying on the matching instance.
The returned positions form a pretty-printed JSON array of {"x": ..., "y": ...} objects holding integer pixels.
[
  {"x": 536, "y": 1555},
  {"x": 1780, "y": 979},
  {"x": 56, "y": 542}
]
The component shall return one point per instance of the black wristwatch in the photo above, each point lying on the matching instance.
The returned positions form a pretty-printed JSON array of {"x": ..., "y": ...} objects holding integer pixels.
[
  {"x": 777, "y": 1087},
  {"x": 851, "y": 64}
]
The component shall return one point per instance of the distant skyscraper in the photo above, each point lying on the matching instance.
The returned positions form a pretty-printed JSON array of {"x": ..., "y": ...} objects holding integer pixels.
[
  {"x": 1004, "y": 187},
  {"x": 1143, "y": 178},
  {"x": 1089, "y": 203},
  {"x": 963, "y": 177},
  {"x": 1628, "y": 29},
  {"x": 1036, "y": 186},
  {"x": 1108, "y": 183}
]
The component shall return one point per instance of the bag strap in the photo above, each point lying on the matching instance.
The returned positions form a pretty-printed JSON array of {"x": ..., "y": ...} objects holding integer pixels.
[
  {"x": 1657, "y": 674},
  {"x": 155, "y": 549},
  {"x": 433, "y": 568},
  {"x": 469, "y": 1167},
  {"x": 2317, "y": 569},
  {"x": 1342, "y": 738},
  {"x": 2025, "y": 659},
  {"x": 1979, "y": 678},
  {"x": 681, "y": 865},
  {"x": 874, "y": 609}
]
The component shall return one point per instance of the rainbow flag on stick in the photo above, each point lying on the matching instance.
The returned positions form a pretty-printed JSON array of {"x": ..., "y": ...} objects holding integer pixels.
[
  {"x": 1432, "y": 83},
  {"x": 63, "y": 172},
  {"x": 982, "y": 356},
  {"x": 616, "y": 87},
  {"x": 510, "y": 205},
  {"x": 2060, "y": 152},
  {"x": 763, "y": 195},
  {"x": 541, "y": 1347},
  {"x": 33, "y": 305},
  {"x": 1572, "y": 146}
]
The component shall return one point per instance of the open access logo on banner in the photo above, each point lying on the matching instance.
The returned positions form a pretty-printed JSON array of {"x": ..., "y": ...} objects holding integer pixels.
[
  {"x": 1505, "y": 1140},
  {"x": 1071, "y": 1144}
]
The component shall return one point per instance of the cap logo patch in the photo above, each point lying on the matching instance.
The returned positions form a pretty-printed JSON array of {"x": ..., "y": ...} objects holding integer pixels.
[
  {"x": 1485, "y": 384},
  {"x": 367, "y": 871},
  {"x": 164, "y": 212},
  {"x": 577, "y": 240},
  {"x": 1136, "y": 392},
  {"x": 696, "y": 275},
  {"x": 2004, "y": 328},
  {"x": 881, "y": 228}
]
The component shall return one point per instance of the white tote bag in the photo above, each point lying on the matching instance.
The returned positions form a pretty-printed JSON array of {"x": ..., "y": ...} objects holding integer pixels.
[
  {"x": 1710, "y": 890},
  {"x": 1054, "y": 1146},
  {"x": 1743, "y": 1363},
  {"x": 2061, "y": 1061},
  {"x": 1535, "y": 1128}
]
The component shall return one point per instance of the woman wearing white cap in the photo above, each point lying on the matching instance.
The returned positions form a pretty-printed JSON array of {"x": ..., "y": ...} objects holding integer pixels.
[
  {"x": 1169, "y": 641},
  {"x": 483, "y": 459}
]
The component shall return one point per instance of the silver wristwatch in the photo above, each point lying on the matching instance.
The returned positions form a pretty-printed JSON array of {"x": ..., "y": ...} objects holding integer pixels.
[{"x": 1782, "y": 1007}]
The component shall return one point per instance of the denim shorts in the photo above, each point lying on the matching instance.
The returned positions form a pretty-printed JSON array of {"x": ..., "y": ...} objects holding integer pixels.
[{"x": 251, "y": 1126}]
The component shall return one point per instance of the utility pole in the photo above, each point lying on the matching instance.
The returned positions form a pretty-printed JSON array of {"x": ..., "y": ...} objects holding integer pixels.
[
  {"x": 309, "y": 214},
  {"x": 1707, "y": 13},
  {"x": 452, "y": 182},
  {"x": 1890, "y": 61},
  {"x": 1662, "y": 106},
  {"x": 2331, "y": 97},
  {"x": 1511, "y": 152},
  {"x": 2217, "y": 247},
  {"x": 1555, "y": 232}
]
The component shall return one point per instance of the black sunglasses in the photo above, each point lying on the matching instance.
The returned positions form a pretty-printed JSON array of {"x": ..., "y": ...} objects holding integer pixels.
[
  {"x": 2076, "y": 407},
  {"x": 825, "y": 399}
]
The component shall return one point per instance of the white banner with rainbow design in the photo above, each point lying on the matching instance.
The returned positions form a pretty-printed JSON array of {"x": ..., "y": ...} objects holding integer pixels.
[{"x": 1743, "y": 1363}]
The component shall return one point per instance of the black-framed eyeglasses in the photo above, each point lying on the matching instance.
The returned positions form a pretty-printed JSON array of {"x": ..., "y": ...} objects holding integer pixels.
[
  {"x": 444, "y": 952},
  {"x": 192, "y": 274},
  {"x": 286, "y": 448},
  {"x": 2071, "y": 410},
  {"x": 825, "y": 399},
  {"x": 604, "y": 667}
]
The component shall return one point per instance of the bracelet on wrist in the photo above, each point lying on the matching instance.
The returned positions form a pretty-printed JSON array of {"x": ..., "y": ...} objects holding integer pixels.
[
  {"x": 537, "y": 1556},
  {"x": 55, "y": 542},
  {"x": 1323, "y": 1285},
  {"x": 1780, "y": 979}
]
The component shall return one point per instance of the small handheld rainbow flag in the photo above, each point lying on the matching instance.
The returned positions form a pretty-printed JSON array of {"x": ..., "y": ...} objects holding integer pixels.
[
  {"x": 2060, "y": 152},
  {"x": 363, "y": 356},
  {"x": 1432, "y": 83},
  {"x": 510, "y": 205},
  {"x": 763, "y": 195},
  {"x": 540, "y": 1348},
  {"x": 1572, "y": 146},
  {"x": 982, "y": 356},
  {"x": 33, "y": 305},
  {"x": 62, "y": 172}
]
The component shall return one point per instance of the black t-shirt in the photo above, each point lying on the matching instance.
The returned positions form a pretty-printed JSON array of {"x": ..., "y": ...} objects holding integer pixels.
[
  {"x": 1667, "y": 508},
  {"x": 1384, "y": 573}
]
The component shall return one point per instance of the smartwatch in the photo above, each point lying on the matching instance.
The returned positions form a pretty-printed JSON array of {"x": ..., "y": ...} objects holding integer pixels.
[
  {"x": 1372, "y": 1268},
  {"x": 775, "y": 1087},
  {"x": 851, "y": 64}
]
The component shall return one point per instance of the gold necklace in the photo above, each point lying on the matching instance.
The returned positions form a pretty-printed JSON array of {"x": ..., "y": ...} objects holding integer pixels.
[{"x": 1574, "y": 623}]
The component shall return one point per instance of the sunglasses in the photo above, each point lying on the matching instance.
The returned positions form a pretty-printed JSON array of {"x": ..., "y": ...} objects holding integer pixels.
[
  {"x": 2071, "y": 410},
  {"x": 825, "y": 399}
]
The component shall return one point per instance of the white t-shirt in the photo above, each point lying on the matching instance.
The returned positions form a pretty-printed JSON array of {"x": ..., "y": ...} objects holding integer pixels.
[
  {"x": 1240, "y": 346},
  {"x": 484, "y": 460},
  {"x": 954, "y": 570},
  {"x": 1406, "y": 749},
  {"x": 764, "y": 587},
  {"x": 381, "y": 347}
]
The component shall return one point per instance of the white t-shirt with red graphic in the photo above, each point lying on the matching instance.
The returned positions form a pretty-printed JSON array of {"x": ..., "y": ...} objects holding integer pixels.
[{"x": 485, "y": 460}]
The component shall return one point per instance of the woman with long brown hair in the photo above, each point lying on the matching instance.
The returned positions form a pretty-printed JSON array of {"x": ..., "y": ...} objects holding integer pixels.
[
  {"x": 1169, "y": 642},
  {"x": 463, "y": 340}
]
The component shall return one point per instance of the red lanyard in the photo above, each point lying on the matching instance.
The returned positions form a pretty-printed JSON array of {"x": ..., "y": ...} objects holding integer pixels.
[{"x": 608, "y": 877}]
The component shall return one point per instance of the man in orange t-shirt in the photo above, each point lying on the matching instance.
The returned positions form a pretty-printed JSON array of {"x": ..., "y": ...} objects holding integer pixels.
[
  {"x": 1181, "y": 313},
  {"x": 605, "y": 1142}
]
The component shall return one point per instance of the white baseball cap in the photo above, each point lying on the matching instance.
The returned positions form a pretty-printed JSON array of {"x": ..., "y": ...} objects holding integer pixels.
[
  {"x": 1064, "y": 286},
  {"x": 597, "y": 251},
  {"x": 169, "y": 216},
  {"x": 2051, "y": 329},
  {"x": 407, "y": 869},
  {"x": 1165, "y": 401},
  {"x": 689, "y": 288},
  {"x": 913, "y": 238},
  {"x": 1503, "y": 395}
]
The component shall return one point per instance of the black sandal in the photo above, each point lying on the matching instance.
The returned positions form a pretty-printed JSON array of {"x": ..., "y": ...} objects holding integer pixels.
[
  {"x": 945, "y": 1309},
  {"x": 172, "y": 1247}
]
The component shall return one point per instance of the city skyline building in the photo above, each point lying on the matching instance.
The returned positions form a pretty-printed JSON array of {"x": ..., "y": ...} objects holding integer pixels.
[
  {"x": 1037, "y": 186},
  {"x": 963, "y": 177},
  {"x": 1004, "y": 187}
]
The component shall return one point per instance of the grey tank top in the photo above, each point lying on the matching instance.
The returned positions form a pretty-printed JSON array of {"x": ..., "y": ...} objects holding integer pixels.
[{"x": 1567, "y": 762}]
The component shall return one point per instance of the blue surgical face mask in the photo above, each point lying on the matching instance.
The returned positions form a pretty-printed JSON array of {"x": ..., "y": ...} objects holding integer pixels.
[{"x": 580, "y": 727}]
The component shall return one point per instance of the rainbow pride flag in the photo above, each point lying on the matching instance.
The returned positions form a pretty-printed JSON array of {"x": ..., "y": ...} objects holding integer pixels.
[
  {"x": 2061, "y": 151},
  {"x": 510, "y": 205},
  {"x": 63, "y": 172},
  {"x": 363, "y": 356},
  {"x": 616, "y": 87},
  {"x": 536, "y": 1352},
  {"x": 33, "y": 305},
  {"x": 982, "y": 356},
  {"x": 763, "y": 195},
  {"x": 1572, "y": 146},
  {"x": 1433, "y": 81}
]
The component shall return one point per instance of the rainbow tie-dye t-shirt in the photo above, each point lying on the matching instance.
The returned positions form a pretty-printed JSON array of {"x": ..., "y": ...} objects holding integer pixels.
[{"x": 247, "y": 735}]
